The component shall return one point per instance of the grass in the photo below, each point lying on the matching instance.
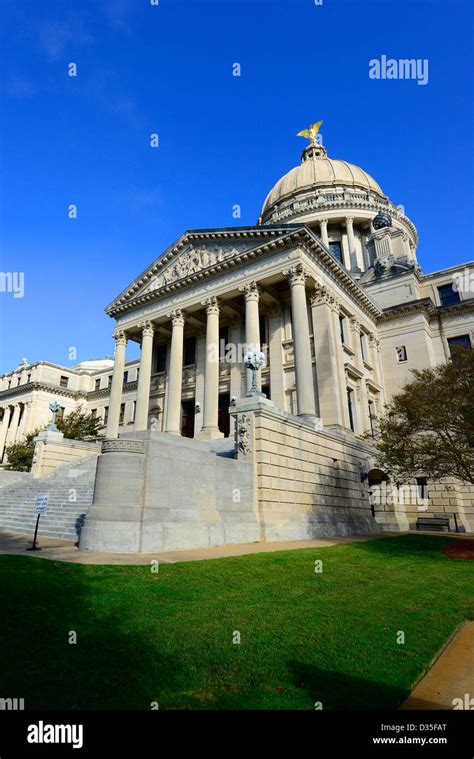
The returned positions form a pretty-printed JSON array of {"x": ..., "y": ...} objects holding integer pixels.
[{"x": 167, "y": 637}]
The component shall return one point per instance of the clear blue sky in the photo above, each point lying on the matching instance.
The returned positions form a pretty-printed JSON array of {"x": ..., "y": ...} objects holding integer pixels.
[{"x": 224, "y": 140}]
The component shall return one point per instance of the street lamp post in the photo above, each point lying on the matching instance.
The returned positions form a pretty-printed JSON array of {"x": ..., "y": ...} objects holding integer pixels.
[{"x": 254, "y": 360}]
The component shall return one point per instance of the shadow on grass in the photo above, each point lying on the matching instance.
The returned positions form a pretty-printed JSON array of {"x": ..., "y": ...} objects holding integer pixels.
[
  {"x": 408, "y": 546},
  {"x": 344, "y": 692},
  {"x": 47, "y": 605}
]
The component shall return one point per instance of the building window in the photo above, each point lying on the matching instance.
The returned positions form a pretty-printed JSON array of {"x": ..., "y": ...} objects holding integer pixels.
[
  {"x": 106, "y": 414},
  {"x": 134, "y": 408},
  {"x": 447, "y": 295},
  {"x": 422, "y": 485},
  {"x": 461, "y": 341},
  {"x": 138, "y": 373},
  {"x": 189, "y": 350},
  {"x": 28, "y": 377},
  {"x": 19, "y": 379},
  {"x": 350, "y": 407},
  {"x": 125, "y": 377},
  {"x": 401, "y": 354},
  {"x": 109, "y": 382},
  {"x": 97, "y": 384},
  {"x": 372, "y": 418},
  {"x": 94, "y": 413},
  {"x": 336, "y": 250},
  {"x": 161, "y": 352},
  {"x": 63, "y": 381},
  {"x": 342, "y": 328},
  {"x": 122, "y": 413}
]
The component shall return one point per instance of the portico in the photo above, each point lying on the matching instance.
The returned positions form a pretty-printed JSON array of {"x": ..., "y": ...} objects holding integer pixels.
[{"x": 274, "y": 294}]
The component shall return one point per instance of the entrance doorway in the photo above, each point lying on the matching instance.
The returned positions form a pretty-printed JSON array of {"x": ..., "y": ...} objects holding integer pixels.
[
  {"x": 187, "y": 424},
  {"x": 223, "y": 419}
]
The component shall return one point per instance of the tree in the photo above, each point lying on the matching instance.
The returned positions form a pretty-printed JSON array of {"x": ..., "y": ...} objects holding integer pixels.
[
  {"x": 20, "y": 455},
  {"x": 428, "y": 428},
  {"x": 79, "y": 425}
]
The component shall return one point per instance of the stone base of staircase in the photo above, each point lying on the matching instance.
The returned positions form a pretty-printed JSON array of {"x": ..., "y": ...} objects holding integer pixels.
[{"x": 70, "y": 490}]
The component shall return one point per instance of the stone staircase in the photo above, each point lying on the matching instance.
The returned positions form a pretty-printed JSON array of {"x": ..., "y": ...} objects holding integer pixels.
[{"x": 64, "y": 518}]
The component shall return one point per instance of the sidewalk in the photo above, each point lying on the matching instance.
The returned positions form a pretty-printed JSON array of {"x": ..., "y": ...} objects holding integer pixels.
[
  {"x": 451, "y": 676},
  {"x": 63, "y": 550}
]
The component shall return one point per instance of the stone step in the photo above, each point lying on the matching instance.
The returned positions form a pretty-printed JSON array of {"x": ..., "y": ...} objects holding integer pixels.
[{"x": 63, "y": 517}]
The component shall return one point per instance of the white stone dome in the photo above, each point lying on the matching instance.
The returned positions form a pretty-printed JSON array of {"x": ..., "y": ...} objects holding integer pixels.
[{"x": 316, "y": 172}]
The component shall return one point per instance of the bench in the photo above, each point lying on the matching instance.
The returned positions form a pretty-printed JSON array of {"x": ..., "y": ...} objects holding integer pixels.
[{"x": 433, "y": 522}]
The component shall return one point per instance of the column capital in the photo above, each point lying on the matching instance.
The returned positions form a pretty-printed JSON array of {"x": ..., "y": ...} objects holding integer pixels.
[
  {"x": 147, "y": 328},
  {"x": 251, "y": 291},
  {"x": 355, "y": 323},
  {"x": 323, "y": 221},
  {"x": 322, "y": 294},
  {"x": 177, "y": 317},
  {"x": 212, "y": 305},
  {"x": 349, "y": 220},
  {"x": 297, "y": 275},
  {"x": 373, "y": 340},
  {"x": 120, "y": 337}
]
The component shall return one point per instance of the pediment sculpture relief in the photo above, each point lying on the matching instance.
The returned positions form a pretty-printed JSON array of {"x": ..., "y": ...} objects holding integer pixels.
[{"x": 194, "y": 260}]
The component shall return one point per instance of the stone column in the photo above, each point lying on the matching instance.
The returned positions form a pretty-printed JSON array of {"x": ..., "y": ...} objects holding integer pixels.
[
  {"x": 351, "y": 242},
  {"x": 301, "y": 344},
  {"x": 115, "y": 398},
  {"x": 173, "y": 409},
  {"x": 200, "y": 382},
  {"x": 23, "y": 422},
  {"x": 3, "y": 429},
  {"x": 375, "y": 345},
  {"x": 144, "y": 378},
  {"x": 252, "y": 325},
  {"x": 364, "y": 399},
  {"x": 324, "y": 232},
  {"x": 210, "y": 429},
  {"x": 12, "y": 430},
  {"x": 340, "y": 359},
  {"x": 275, "y": 356},
  {"x": 326, "y": 344}
]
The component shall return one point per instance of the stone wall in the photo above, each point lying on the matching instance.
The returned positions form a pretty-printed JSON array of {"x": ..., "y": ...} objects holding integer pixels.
[
  {"x": 52, "y": 451},
  {"x": 308, "y": 480},
  {"x": 400, "y": 507},
  {"x": 159, "y": 492}
]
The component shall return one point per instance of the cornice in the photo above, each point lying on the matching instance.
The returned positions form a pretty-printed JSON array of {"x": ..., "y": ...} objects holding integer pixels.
[
  {"x": 300, "y": 235},
  {"x": 464, "y": 306},
  {"x": 105, "y": 391},
  {"x": 46, "y": 386},
  {"x": 449, "y": 270},
  {"x": 427, "y": 307},
  {"x": 423, "y": 306},
  {"x": 124, "y": 300}
]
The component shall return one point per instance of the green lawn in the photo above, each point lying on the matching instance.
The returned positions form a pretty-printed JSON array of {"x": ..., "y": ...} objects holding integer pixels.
[{"x": 167, "y": 637}]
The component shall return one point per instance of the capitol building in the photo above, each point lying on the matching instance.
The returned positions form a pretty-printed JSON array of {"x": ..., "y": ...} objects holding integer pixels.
[{"x": 328, "y": 285}]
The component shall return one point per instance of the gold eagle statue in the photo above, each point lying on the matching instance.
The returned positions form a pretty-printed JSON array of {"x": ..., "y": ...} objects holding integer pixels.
[{"x": 311, "y": 132}]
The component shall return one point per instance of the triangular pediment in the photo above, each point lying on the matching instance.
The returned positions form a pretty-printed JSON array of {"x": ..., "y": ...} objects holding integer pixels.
[
  {"x": 206, "y": 253},
  {"x": 193, "y": 254}
]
